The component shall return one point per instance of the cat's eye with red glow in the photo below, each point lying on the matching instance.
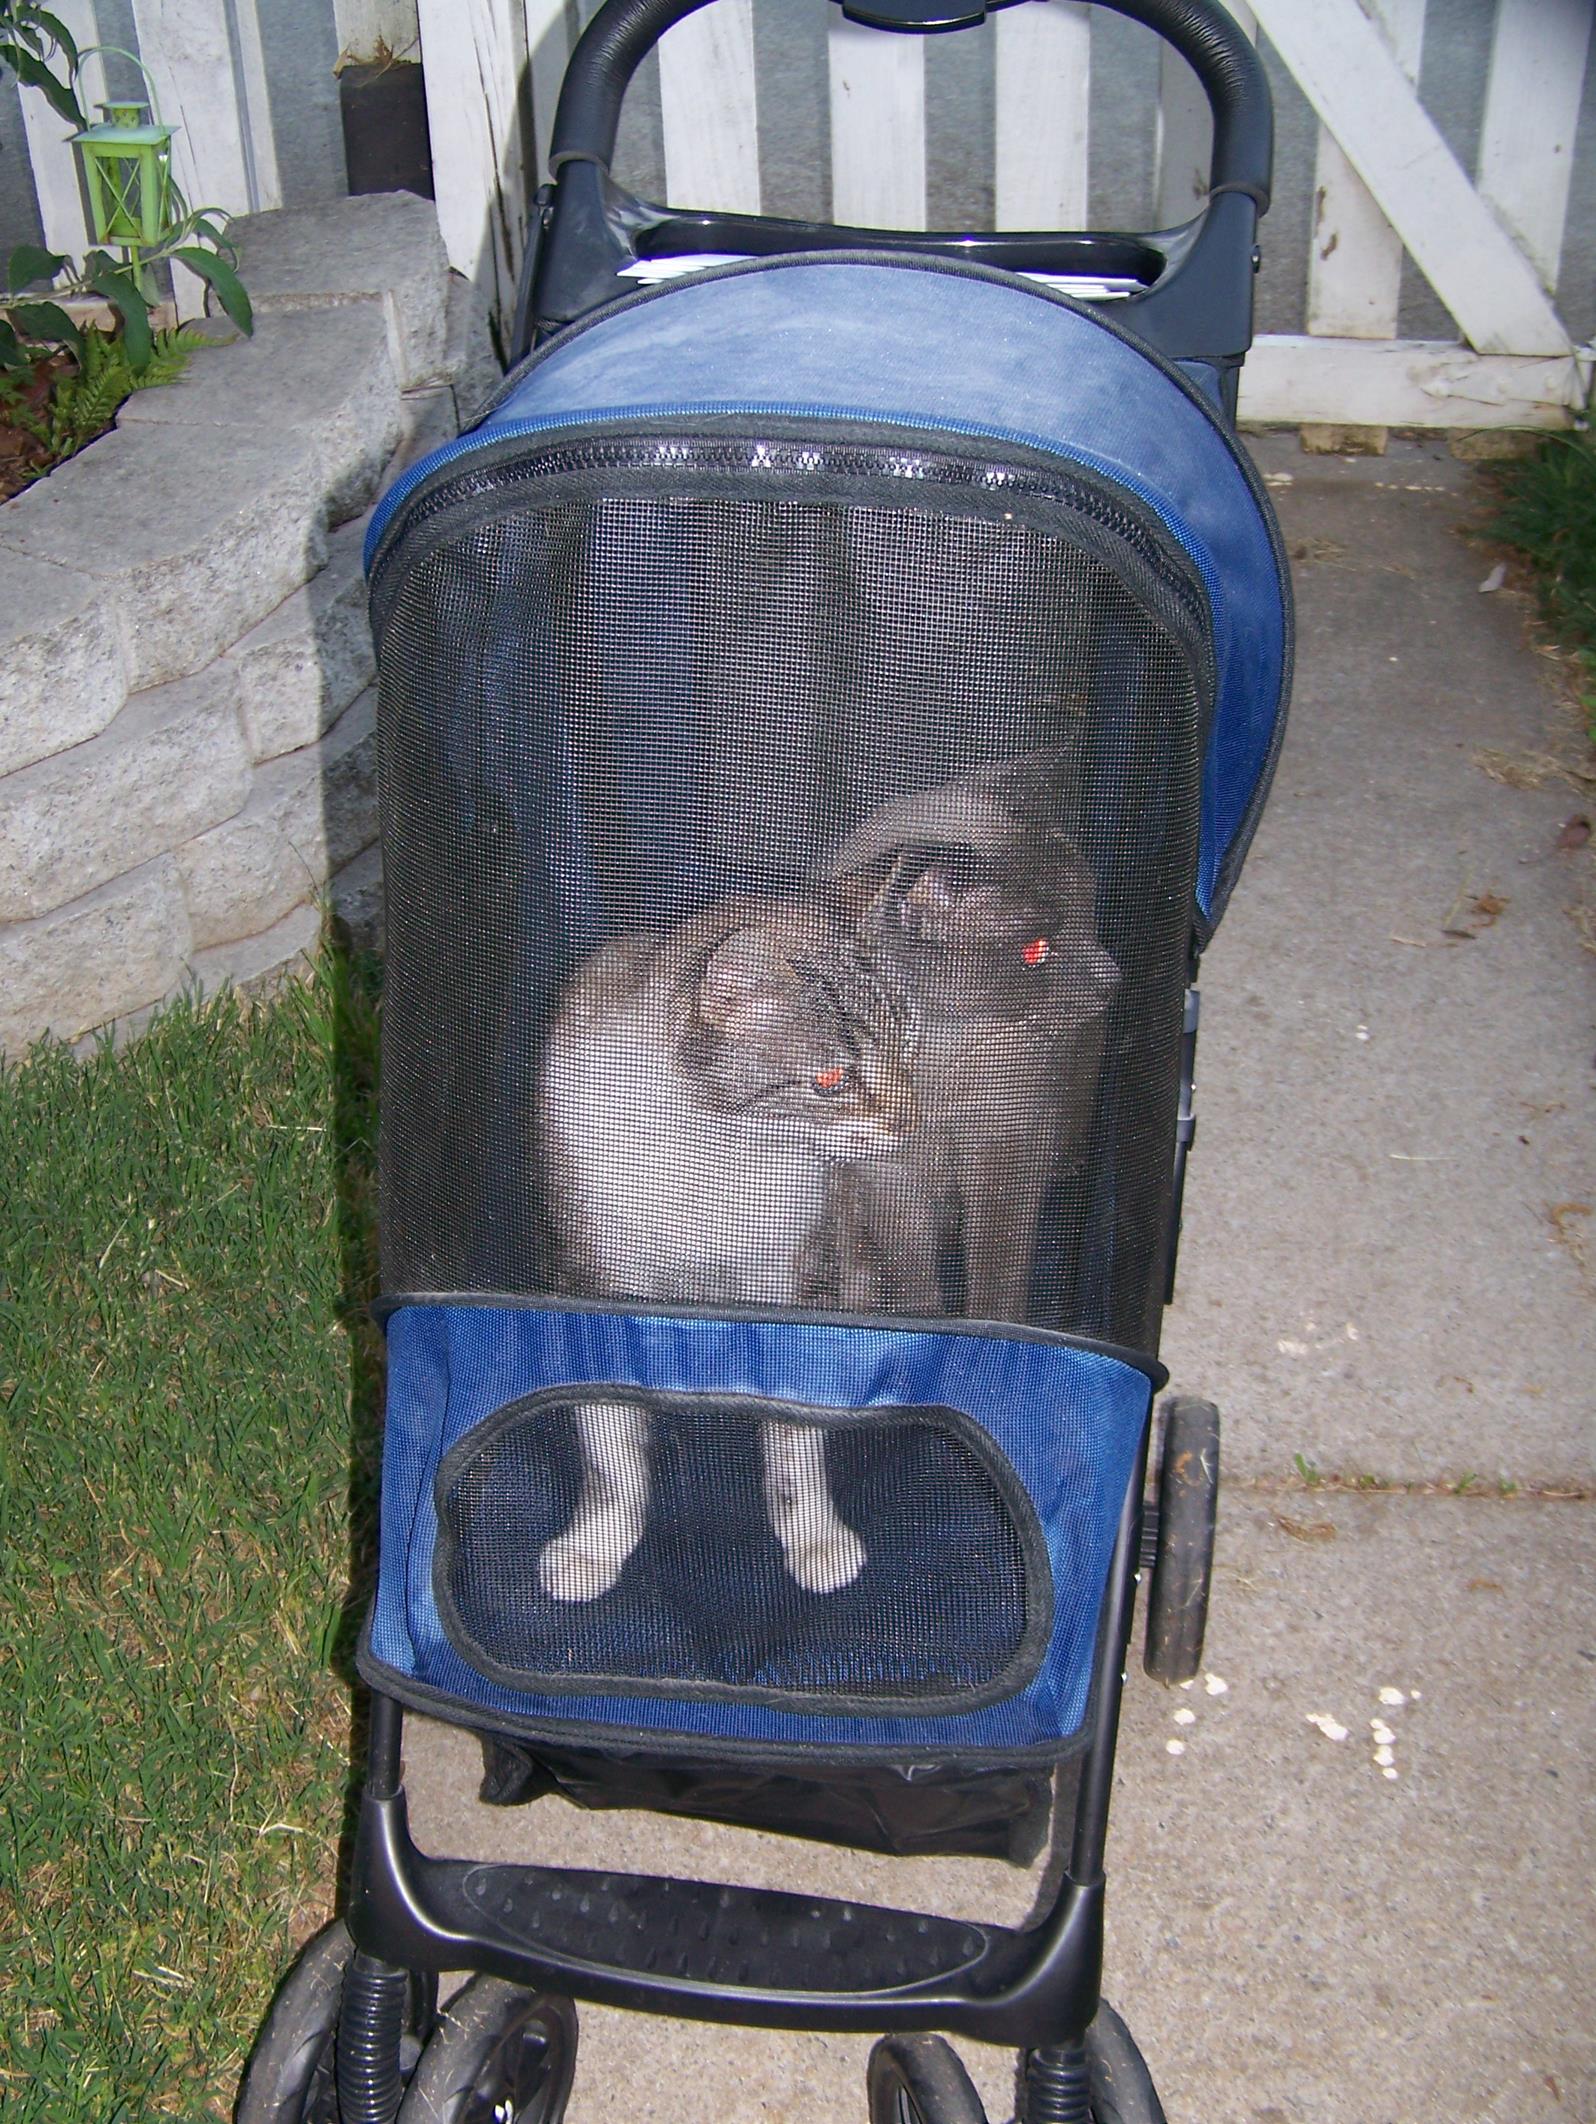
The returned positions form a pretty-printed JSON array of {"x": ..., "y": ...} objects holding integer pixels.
[
  {"x": 1036, "y": 951},
  {"x": 829, "y": 1082}
]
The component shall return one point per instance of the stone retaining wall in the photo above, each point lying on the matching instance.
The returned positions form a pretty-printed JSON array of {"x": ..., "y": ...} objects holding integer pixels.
[{"x": 187, "y": 758}]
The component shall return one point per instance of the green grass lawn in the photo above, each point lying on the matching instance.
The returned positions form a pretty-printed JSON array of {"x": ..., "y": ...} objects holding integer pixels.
[
  {"x": 188, "y": 1386},
  {"x": 1545, "y": 509}
]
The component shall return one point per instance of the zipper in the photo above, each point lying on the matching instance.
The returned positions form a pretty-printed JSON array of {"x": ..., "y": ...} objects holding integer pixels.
[{"x": 551, "y": 423}]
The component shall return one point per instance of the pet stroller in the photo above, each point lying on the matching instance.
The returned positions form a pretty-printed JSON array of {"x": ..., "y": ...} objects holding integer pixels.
[{"x": 825, "y": 702}]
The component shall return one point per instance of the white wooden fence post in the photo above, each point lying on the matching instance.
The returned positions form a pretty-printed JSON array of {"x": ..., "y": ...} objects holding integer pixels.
[
  {"x": 199, "y": 80},
  {"x": 50, "y": 151},
  {"x": 1044, "y": 87},
  {"x": 208, "y": 74},
  {"x": 709, "y": 109},
  {"x": 474, "y": 57},
  {"x": 255, "y": 108},
  {"x": 548, "y": 45},
  {"x": 1355, "y": 255},
  {"x": 1351, "y": 77},
  {"x": 1532, "y": 99},
  {"x": 877, "y": 126}
]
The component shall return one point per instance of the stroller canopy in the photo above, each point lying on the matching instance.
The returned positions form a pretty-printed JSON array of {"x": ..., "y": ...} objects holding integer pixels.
[{"x": 970, "y": 352}]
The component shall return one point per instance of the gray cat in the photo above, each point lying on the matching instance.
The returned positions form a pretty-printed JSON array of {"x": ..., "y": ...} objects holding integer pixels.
[
  {"x": 973, "y": 900},
  {"x": 704, "y": 1096}
]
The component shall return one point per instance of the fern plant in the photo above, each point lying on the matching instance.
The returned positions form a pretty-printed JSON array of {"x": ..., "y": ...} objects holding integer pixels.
[{"x": 86, "y": 398}]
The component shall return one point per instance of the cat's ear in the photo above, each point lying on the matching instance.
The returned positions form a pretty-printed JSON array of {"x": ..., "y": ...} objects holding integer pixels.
[
  {"x": 931, "y": 887},
  {"x": 746, "y": 978},
  {"x": 857, "y": 892}
]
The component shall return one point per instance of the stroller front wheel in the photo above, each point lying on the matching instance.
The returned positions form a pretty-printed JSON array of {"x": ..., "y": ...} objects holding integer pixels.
[
  {"x": 291, "y": 2077},
  {"x": 501, "y": 2055},
  {"x": 919, "y": 2079}
]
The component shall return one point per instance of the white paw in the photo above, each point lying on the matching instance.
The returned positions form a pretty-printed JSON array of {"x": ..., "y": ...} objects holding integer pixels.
[
  {"x": 569, "y": 1570},
  {"x": 829, "y": 1564}
]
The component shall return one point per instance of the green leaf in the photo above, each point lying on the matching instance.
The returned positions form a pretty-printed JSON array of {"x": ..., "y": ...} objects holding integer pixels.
[
  {"x": 53, "y": 26},
  {"x": 213, "y": 232},
  {"x": 32, "y": 72},
  {"x": 122, "y": 293},
  {"x": 11, "y": 352},
  {"x": 47, "y": 320},
  {"x": 30, "y": 262},
  {"x": 220, "y": 275}
]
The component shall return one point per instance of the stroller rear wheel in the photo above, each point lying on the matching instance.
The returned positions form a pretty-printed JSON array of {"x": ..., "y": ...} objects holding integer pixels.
[
  {"x": 501, "y": 2055},
  {"x": 918, "y": 2079},
  {"x": 291, "y": 2075},
  {"x": 1188, "y": 1503}
]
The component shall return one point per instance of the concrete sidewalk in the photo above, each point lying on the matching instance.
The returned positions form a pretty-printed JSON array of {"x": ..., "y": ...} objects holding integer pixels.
[{"x": 1376, "y": 1284}]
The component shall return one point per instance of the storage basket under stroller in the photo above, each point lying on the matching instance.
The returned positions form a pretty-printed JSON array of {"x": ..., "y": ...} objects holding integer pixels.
[{"x": 825, "y": 703}]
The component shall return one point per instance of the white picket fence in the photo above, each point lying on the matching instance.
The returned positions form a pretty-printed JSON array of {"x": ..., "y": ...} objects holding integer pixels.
[{"x": 1386, "y": 181}]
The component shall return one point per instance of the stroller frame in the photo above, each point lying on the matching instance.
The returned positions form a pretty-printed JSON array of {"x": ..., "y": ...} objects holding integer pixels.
[
  {"x": 723, "y": 1954},
  {"x": 744, "y": 1955}
]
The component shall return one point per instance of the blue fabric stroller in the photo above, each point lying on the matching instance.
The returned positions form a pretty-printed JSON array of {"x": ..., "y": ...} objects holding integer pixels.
[{"x": 826, "y": 701}]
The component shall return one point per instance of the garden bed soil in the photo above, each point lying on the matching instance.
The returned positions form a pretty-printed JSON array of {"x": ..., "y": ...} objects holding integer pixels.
[{"x": 25, "y": 456}]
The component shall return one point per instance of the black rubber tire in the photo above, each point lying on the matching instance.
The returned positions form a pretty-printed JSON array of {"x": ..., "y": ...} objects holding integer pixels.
[
  {"x": 1122, "y": 2090},
  {"x": 289, "y": 2078},
  {"x": 919, "y": 2079},
  {"x": 1188, "y": 1504},
  {"x": 496, "y": 2043}
]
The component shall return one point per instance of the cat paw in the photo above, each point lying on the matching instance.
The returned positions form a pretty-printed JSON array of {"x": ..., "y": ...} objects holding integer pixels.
[
  {"x": 569, "y": 1570},
  {"x": 827, "y": 1565}
]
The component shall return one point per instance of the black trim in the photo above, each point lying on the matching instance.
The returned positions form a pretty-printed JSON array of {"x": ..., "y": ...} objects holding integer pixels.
[
  {"x": 621, "y": 35},
  {"x": 1157, "y": 1374},
  {"x": 712, "y": 1953},
  {"x": 1037, "y": 1591}
]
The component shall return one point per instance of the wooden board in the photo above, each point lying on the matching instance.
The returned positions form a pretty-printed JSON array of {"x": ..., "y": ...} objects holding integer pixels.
[
  {"x": 548, "y": 45},
  {"x": 1292, "y": 379},
  {"x": 1532, "y": 98},
  {"x": 1355, "y": 255},
  {"x": 188, "y": 48},
  {"x": 1044, "y": 87},
  {"x": 474, "y": 56},
  {"x": 877, "y": 127},
  {"x": 708, "y": 109},
  {"x": 1353, "y": 80}
]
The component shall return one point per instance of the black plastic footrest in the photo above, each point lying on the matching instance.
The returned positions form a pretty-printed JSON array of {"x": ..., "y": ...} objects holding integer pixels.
[{"x": 748, "y": 1938}]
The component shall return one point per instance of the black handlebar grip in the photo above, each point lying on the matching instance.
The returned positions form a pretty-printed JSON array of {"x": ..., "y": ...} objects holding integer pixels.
[
  {"x": 623, "y": 32},
  {"x": 608, "y": 53}
]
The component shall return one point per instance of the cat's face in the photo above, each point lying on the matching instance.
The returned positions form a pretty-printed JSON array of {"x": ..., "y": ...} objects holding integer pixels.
[
  {"x": 983, "y": 932},
  {"x": 788, "y": 1025}
]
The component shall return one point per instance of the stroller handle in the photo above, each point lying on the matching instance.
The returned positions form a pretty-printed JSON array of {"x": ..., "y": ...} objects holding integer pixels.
[{"x": 624, "y": 32}]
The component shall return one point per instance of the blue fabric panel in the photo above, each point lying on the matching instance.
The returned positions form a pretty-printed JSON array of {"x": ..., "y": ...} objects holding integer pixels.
[
  {"x": 970, "y": 354},
  {"x": 1069, "y": 1423}
]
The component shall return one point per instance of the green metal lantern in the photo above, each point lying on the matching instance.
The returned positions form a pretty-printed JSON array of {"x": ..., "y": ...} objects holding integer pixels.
[{"x": 127, "y": 160}]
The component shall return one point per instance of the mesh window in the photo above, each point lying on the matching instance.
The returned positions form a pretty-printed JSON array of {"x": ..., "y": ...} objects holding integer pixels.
[
  {"x": 789, "y": 851},
  {"x": 886, "y": 1560}
]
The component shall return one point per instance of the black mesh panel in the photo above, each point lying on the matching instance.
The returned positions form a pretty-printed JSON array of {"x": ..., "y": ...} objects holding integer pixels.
[
  {"x": 789, "y": 853},
  {"x": 726, "y": 1586}
]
